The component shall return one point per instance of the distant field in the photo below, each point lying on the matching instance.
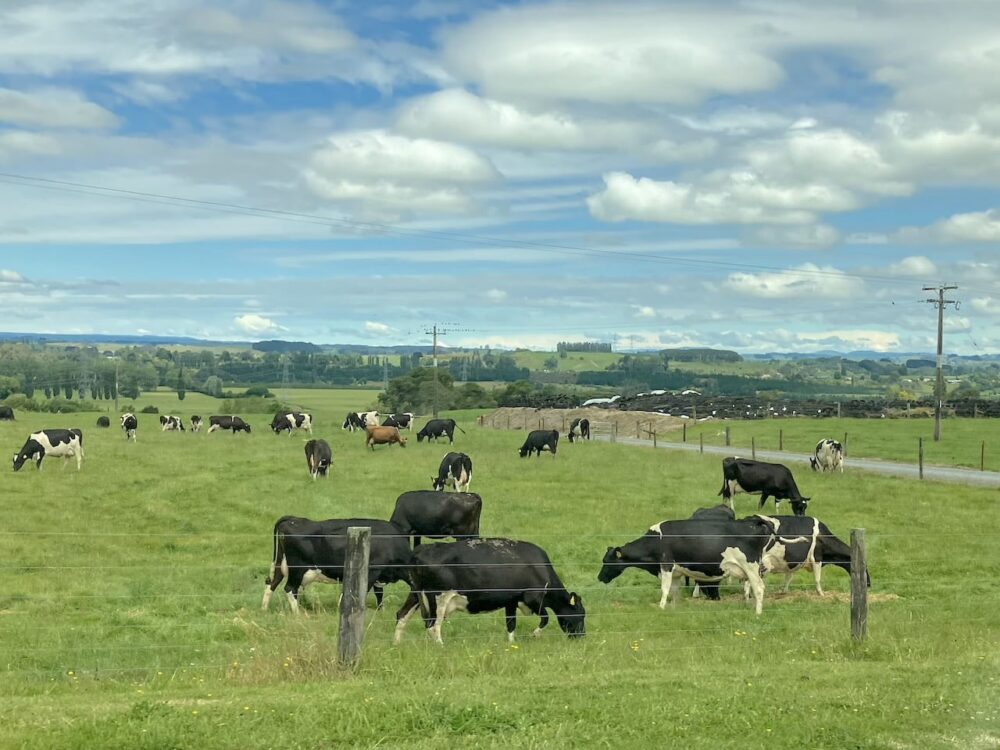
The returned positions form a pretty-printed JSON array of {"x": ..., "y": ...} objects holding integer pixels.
[
  {"x": 130, "y": 615},
  {"x": 574, "y": 361}
]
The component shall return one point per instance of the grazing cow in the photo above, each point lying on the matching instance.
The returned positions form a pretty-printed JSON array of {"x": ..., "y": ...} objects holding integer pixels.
[
  {"x": 538, "y": 440},
  {"x": 103, "y": 422},
  {"x": 455, "y": 470},
  {"x": 435, "y": 515},
  {"x": 65, "y": 443},
  {"x": 236, "y": 424},
  {"x": 403, "y": 421},
  {"x": 436, "y": 428},
  {"x": 705, "y": 549},
  {"x": 770, "y": 480},
  {"x": 293, "y": 421},
  {"x": 579, "y": 428},
  {"x": 829, "y": 456},
  {"x": 6, "y": 414},
  {"x": 170, "y": 423},
  {"x": 484, "y": 575},
  {"x": 369, "y": 418},
  {"x": 804, "y": 543},
  {"x": 353, "y": 422},
  {"x": 196, "y": 423},
  {"x": 129, "y": 425},
  {"x": 725, "y": 513},
  {"x": 307, "y": 551},
  {"x": 319, "y": 457},
  {"x": 384, "y": 436}
]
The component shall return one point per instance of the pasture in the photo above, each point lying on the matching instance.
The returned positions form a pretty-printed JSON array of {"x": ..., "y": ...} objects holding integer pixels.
[{"x": 131, "y": 611}]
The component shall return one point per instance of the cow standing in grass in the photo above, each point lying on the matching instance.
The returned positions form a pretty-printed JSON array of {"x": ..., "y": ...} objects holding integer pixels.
[
  {"x": 829, "y": 456},
  {"x": 437, "y": 515},
  {"x": 804, "y": 543},
  {"x": 539, "y": 440},
  {"x": 383, "y": 436},
  {"x": 319, "y": 458},
  {"x": 455, "y": 471},
  {"x": 770, "y": 480},
  {"x": 65, "y": 443},
  {"x": 129, "y": 424}
]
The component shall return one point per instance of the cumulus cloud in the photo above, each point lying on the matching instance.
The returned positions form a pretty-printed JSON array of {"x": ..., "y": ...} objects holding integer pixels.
[
  {"x": 805, "y": 281},
  {"x": 255, "y": 324},
  {"x": 645, "y": 311},
  {"x": 11, "y": 277},
  {"x": 914, "y": 265},
  {"x": 810, "y": 236},
  {"x": 377, "y": 328},
  {"x": 496, "y": 295},
  {"x": 21, "y": 143},
  {"x": 975, "y": 226},
  {"x": 52, "y": 108},
  {"x": 986, "y": 305}
]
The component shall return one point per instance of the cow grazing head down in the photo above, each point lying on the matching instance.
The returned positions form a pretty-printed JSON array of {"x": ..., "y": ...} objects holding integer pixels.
[
  {"x": 21, "y": 458},
  {"x": 814, "y": 463},
  {"x": 571, "y": 615},
  {"x": 800, "y": 506},
  {"x": 612, "y": 565}
]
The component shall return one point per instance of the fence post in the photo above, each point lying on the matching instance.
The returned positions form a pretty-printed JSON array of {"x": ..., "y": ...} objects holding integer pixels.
[
  {"x": 753, "y": 448},
  {"x": 684, "y": 432},
  {"x": 781, "y": 440},
  {"x": 637, "y": 423},
  {"x": 508, "y": 421},
  {"x": 845, "y": 445},
  {"x": 701, "y": 442},
  {"x": 654, "y": 438},
  {"x": 614, "y": 432},
  {"x": 355, "y": 590},
  {"x": 982, "y": 456},
  {"x": 727, "y": 436},
  {"x": 564, "y": 423},
  {"x": 541, "y": 423},
  {"x": 838, "y": 410},
  {"x": 920, "y": 456},
  {"x": 859, "y": 585}
]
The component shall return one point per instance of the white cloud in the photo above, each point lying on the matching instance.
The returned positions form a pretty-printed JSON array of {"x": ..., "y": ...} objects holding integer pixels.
[
  {"x": 148, "y": 93},
  {"x": 807, "y": 281},
  {"x": 975, "y": 226},
  {"x": 880, "y": 341},
  {"x": 496, "y": 295},
  {"x": 21, "y": 143},
  {"x": 380, "y": 329},
  {"x": 809, "y": 236},
  {"x": 256, "y": 324},
  {"x": 11, "y": 277},
  {"x": 986, "y": 305},
  {"x": 645, "y": 311},
  {"x": 914, "y": 265},
  {"x": 52, "y": 108}
]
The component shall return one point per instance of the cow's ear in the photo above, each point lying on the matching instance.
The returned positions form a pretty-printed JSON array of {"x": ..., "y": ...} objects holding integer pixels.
[
  {"x": 618, "y": 552},
  {"x": 572, "y": 600}
]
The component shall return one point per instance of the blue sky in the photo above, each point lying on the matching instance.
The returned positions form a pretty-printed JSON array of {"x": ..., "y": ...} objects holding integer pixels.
[{"x": 760, "y": 175}]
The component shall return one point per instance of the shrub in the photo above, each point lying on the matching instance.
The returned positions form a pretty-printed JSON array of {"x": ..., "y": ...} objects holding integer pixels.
[{"x": 150, "y": 410}]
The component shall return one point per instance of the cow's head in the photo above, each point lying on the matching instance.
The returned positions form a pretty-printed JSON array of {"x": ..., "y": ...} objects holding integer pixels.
[
  {"x": 437, "y": 483},
  {"x": 571, "y": 615},
  {"x": 19, "y": 459},
  {"x": 613, "y": 565},
  {"x": 523, "y": 451},
  {"x": 814, "y": 463},
  {"x": 800, "y": 506},
  {"x": 402, "y": 440},
  {"x": 245, "y": 427},
  {"x": 420, "y": 436}
]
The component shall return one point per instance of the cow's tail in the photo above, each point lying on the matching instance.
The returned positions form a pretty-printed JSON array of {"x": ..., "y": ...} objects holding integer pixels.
[
  {"x": 279, "y": 563},
  {"x": 459, "y": 428}
]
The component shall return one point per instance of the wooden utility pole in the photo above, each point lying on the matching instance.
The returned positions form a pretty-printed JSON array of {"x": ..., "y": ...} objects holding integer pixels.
[
  {"x": 355, "y": 590},
  {"x": 435, "y": 332},
  {"x": 116, "y": 385},
  {"x": 940, "y": 303}
]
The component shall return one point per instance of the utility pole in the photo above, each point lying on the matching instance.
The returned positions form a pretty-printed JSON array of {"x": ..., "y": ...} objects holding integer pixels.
[
  {"x": 435, "y": 332},
  {"x": 284, "y": 377},
  {"x": 940, "y": 303},
  {"x": 117, "y": 411}
]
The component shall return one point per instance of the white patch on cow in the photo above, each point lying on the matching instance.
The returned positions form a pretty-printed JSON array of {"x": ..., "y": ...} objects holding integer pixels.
[
  {"x": 510, "y": 637},
  {"x": 734, "y": 487},
  {"x": 293, "y": 602},
  {"x": 401, "y": 623},
  {"x": 735, "y": 564},
  {"x": 666, "y": 581},
  {"x": 447, "y": 602},
  {"x": 267, "y": 593},
  {"x": 314, "y": 576},
  {"x": 656, "y": 527}
]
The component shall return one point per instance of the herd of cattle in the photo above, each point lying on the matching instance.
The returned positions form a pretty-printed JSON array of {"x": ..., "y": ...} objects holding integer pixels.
[{"x": 480, "y": 574}]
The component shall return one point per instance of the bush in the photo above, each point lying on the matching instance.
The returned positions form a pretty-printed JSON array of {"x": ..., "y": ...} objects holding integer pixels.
[
  {"x": 259, "y": 391},
  {"x": 150, "y": 410},
  {"x": 55, "y": 405}
]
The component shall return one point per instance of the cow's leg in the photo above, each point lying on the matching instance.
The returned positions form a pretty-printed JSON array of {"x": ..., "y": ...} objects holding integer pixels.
[
  {"x": 379, "y": 590},
  {"x": 403, "y": 615},
  {"x": 511, "y": 618},
  {"x": 817, "y": 576},
  {"x": 788, "y": 582},
  {"x": 277, "y": 575},
  {"x": 696, "y": 591},
  {"x": 543, "y": 621},
  {"x": 292, "y": 592},
  {"x": 669, "y": 586},
  {"x": 449, "y": 602},
  {"x": 763, "y": 499}
]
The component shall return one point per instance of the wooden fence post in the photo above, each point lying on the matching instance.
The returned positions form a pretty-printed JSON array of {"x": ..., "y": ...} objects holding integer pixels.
[
  {"x": 614, "y": 432},
  {"x": 564, "y": 423},
  {"x": 508, "y": 421},
  {"x": 859, "y": 585},
  {"x": 753, "y": 448},
  {"x": 701, "y": 442},
  {"x": 781, "y": 440},
  {"x": 541, "y": 423},
  {"x": 982, "y": 456},
  {"x": 684, "y": 432},
  {"x": 845, "y": 445},
  {"x": 355, "y": 590},
  {"x": 920, "y": 456},
  {"x": 637, "y": 423},
  {"x": 654, "y": 438},
  {"x": 728, "y": 443}
]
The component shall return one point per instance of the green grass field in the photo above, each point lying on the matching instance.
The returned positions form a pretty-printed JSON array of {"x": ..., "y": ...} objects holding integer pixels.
[{"x": 131, "y": 614}]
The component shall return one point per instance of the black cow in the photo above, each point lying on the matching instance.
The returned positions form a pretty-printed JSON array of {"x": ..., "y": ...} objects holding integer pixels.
[
  {"x": 725, "y": 513},
  {"x": 65, "y": 443},
  {"x": 292, "y": 421},
  {"x": 103, "y": 422},
  {"x": 307, "y": 551},
  {"x": 6, "y": 414},
  {"x": 236, "y": 424},
  {"x": 579, "y": 428},
  {"x": 770, "y": 480},
  {"x": 455, "y": 470},
  {"x": 170, "y": 423},
  {"x": 436, "y": 515},
  {"x": 705, "y": 549},
  {"x": 538, "y": 440},
  {"x": 436, "y": 428},
  {"x": 484, "y": 575},
  {"x": 403, "y": 421},
  {"x": 803, "y": 543},
  {"x": 353, "y": 422},
  {"x": 319, "y": 457},
  {"x": 129, "y": 424},
  {"x": 196, "y": 423}
]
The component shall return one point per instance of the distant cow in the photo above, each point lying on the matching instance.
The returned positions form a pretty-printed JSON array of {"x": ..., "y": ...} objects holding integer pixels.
[
  {"x": 292, "y": 421},
  {"x": 170, "y": 423},
  {"x": 236, "y": 424},
  {"x": 770, "y": 480},
  {"x": 65, "y": 443},
  {"x": 307, "y": 551},
  {"x": 579, "y": 428},
  {"x": 539, "y": 440},
  {"x": 196, "y": 423},
  {"x": 803, "y": 543},
  {"x": 6, "y": 414},
  {"x": 455, "y": 470},
  {"x": 369, "y": 418},
  {"x": 319, "y": 457},
  {"x": 436, "y": 515},
  {"x": 704, "y": 549},
  {"x": 129, "y": 425},
  {"x": 383, "y": 436},
  {"x": 353, "y": 421},
  {"x": 436, "y": 428},
  {"x": 829, "y": 456},
  {"x": 403, "y": 421},
  {"x": 103, "y": 422},
  {"x": 483, "y": 575}
]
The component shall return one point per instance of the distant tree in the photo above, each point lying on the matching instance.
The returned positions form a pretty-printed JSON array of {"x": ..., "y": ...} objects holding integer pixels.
[
  {"x": 181, "y": 393},
  {"x": 260, "y": 391},
  {"x": 551, "y": 363},
  {"x": 213, "y": 386}
]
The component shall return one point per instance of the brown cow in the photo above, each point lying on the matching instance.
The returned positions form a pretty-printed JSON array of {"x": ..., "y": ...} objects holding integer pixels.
[{"x": 383, "y": 436}]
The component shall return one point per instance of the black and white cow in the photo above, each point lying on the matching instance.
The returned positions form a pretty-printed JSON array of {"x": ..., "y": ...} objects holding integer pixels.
[
  {"x": 436, "y": 515},
  {"x": 319, "y": 457},
  {"x": 720, "y": 512},
  {"x": 129, "y": 424},
  {"x": 484, "y": 575},
  {"x": 171, "y": 423},
  {"x": 196, "y": 423},
  {"x": 770, "y": 480},
  {"x": 65, "y": 443},
  {"x": 236, "y": 424},
  {"x": 436, "y": 428},
  {"x": 829, "y": 456},
  {"x": 579, "y": 428},
  {"x": 455, "y": 471},
  {"x": 6, "y": 414},
  {"x": 103, "y": 422},
  {"x": 703, "y": 549},
  {"x": 353, "y": 421},
  {"x": 539, "y": 440},
  {"x": 307, "y": 551},
  {"x": 292, "y": 421},
  {"x": 804, "y": 543},
  {"x": 403, "y": 421}
]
